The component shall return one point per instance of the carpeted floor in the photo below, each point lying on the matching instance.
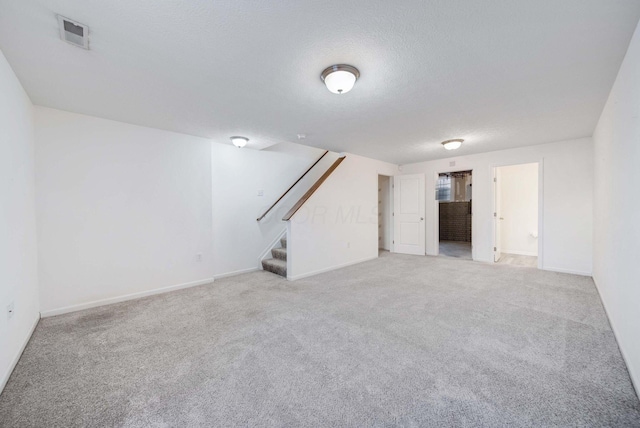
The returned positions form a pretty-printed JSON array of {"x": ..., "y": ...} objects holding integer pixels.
[{"x": 397, "y": 341}]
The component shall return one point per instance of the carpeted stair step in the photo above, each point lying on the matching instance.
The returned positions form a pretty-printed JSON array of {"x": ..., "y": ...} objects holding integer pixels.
[
  {"x": 283, "y": 242},
  {"x": 279, "y": 253},
  {"x": 277, "y": 266}
]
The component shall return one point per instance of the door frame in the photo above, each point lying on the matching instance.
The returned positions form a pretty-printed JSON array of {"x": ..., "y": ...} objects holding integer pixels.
[
  {"x": 540, "y": 162},
  {"x": 390, "y": 210},
  {"x": 497, "y": 226},
  {"x": 436, "y": 211}
]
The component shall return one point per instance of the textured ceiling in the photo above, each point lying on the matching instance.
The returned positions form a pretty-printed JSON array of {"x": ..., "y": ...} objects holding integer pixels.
[{"x": 499, "y": 74}]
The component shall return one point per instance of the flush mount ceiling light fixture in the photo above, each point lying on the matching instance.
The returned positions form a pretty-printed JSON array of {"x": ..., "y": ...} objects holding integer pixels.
[
  {"x": 340, "y": 78},
  {"x": 239, "y": 142},
  {"x": 453, "y": 144}
]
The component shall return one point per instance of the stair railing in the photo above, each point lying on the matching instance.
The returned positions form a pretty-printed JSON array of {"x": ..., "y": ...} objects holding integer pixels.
[
  {"x": 312, "y": 190},
  {"x": 292, "y": 186}
]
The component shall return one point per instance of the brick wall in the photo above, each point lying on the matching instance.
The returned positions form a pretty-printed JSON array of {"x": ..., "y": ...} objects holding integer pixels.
[{"x": 455, "y": 221}]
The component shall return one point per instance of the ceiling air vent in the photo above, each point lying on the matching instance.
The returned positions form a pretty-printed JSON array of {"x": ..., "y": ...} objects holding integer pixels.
[{"x": 73, "y": 32}]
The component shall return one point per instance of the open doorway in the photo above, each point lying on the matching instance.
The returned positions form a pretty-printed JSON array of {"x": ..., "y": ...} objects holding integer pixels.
[
  {"x": 385, "y": 222},
  {"x": 454, "y": 196},
  {"x": 516, "y": 214}
]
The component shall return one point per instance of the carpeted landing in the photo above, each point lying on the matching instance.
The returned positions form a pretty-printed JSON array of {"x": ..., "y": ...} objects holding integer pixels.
[{"x": 397, "y": 341}]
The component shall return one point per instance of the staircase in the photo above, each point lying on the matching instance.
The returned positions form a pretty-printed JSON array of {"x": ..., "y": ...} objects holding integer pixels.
[{"x": 278, "y": 264}]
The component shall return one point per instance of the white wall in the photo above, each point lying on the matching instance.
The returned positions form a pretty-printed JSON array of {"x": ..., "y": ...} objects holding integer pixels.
[
  {"x": 567, "y": 184},
  {"x": 338, "y": 225},
  {"x": 238, "y": 175},
  {"x": 519, "y": 209},
  {"x": 617, "y": 209},
  {"x": 18, "y": 255},
  {"x": 122, "y": 210}
]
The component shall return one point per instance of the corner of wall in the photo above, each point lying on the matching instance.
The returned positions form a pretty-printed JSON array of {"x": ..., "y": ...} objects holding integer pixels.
[
  {"x": 18, "y": 246},
  {"x": 615, "y": 186}
]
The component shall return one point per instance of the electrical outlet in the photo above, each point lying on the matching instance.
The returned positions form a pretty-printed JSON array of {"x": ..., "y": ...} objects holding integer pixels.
[
  {"x": 199, "y": 257},
  {"x": 348, "y": 244},
  {"x": 10, "y": 310},
  {"x": 260, "y": 192}
]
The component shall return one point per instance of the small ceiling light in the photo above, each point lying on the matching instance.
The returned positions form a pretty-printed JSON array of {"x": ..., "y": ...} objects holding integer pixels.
[
  {"x": 239, "y": 142},
  {"x": 453, "y": 144},
  {"x": 340, "y": 78}
]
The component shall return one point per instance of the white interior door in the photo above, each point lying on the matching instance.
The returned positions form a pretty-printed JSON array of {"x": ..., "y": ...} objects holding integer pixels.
[
  {"x": 497, "y": 212},
  {"x": 408, "y": 214}
]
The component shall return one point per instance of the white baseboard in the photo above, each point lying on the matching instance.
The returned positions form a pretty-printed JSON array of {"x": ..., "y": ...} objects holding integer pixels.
[
  {"x": 520, "y": 253},
  {"x": 118, "y": 299},
  {"x": 562, "y": 270},
  {"x": 16, "y": 358},
  {"x": 237, "y": 272},
  {"x": 635, "y": 381},
  {"x": 316, "y": 272}
]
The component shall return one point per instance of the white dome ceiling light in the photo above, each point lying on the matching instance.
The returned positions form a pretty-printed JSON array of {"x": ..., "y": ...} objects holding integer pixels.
[
  {"x": 453, "y": 144},
  {"x": 239, "y": 142},
  {"x": 340, "y": 78}
]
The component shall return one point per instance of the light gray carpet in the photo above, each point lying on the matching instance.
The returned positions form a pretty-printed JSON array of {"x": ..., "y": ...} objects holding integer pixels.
[
  {"x": 458, "y": 249},
  {"x": 397, "y": 341}
]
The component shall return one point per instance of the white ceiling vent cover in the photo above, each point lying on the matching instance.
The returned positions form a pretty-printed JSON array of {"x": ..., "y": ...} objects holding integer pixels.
[{"x": 73, "y": 32}]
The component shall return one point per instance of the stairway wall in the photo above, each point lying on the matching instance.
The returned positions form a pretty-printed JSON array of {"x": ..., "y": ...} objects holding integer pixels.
[
  {"x": 238, "y": 175},
  {"x": 338, "y": 225}
]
